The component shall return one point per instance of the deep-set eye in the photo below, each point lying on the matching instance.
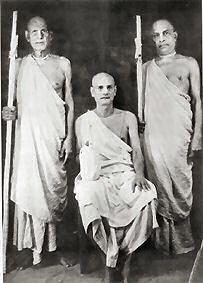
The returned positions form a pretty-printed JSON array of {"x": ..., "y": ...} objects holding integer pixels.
[
  {"x": 166, "y": 32},
  {"x": 34, "y": 31},
  {"x": 45, "y": 31},
  {"x": 110, "y": 87},
  {"x": 155, "y": 35}
]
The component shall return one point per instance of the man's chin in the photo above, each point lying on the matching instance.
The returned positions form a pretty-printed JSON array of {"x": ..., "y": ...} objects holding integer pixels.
[
  {"x": 164, "y": 52},
  {"x": 39, "y": 48}
]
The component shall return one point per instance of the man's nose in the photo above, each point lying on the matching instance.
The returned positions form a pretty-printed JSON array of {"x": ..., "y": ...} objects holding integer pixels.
[
  {"x": 40, "y": 34},
  {"x": 105, "y": 90},
  {"x": 161, "y": 37}
]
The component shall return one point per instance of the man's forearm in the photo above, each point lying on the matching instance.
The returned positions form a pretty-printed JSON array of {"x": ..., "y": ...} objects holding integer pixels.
[
  {"x": 70, "y": 118},
  {"x": 138, "y": 162},
  {"x": 197, "y": 134}
]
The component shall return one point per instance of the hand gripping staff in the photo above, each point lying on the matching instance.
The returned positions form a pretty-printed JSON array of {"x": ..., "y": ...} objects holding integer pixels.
[{"x": 11, "y": 90}]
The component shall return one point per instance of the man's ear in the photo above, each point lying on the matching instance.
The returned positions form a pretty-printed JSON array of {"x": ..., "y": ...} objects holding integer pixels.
[
  {"x": 115, "y": 90},
  {"x": 27, "y": 36},
  {"x": 175, "y": 34},
  {"x": 51, "y": 35},
  {"x": 92, "y": 91}
]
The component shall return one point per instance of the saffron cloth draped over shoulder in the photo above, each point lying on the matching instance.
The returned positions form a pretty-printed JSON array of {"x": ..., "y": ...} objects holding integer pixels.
[
  {"x": 39, "y": 183},
  {"x": 167, "y": 138},
  {"x": 110, "y": 195}
]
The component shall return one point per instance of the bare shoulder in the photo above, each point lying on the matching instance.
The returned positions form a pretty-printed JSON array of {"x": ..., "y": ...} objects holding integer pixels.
[
  {"x": 130, "y": 118},
  {"x": 120, "y": 111},
  {"x": 64, "y": 63},
  {"x": 130, "y": 115},
  {"x": 190, "y": 61}
]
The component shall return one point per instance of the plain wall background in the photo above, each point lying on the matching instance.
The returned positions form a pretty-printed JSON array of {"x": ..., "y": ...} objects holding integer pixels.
[{"x": 99, "y": 36}]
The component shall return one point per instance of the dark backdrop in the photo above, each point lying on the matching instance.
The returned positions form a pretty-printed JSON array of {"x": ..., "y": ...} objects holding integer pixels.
[{"x": 99, "y": 36}]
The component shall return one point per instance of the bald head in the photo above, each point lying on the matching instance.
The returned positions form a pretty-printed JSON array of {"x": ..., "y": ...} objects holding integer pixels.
[
  {"x": 162, "y": 22},
  {"x": 36, "y": 21},
  {"x": 98, "y": 78}
]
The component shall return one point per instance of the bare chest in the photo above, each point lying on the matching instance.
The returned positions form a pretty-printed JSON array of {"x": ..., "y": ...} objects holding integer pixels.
[
  {"x": 54, "y": 74},
  {"x": 116, "y": 123},
  {"x": 177, "y": 73}
]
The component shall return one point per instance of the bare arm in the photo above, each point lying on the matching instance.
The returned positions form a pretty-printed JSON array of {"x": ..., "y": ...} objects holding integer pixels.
[
  {"x": 69, "y": 98},
  {"x": 196, "y": 143},
  {"x": 67, "y": 145},
  {"x": 78, "y": 138},
  {"x": 137, "y": 156}
]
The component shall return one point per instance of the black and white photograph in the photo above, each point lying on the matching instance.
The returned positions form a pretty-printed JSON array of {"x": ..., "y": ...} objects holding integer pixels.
[{"x": 101, "y": 141}]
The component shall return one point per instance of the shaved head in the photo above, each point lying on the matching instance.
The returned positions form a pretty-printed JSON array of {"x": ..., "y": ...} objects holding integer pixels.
[
  {"x": 36, "y": 21},
  {"x": 100, "y": 76},
  {"x": 162, "y": 22}
]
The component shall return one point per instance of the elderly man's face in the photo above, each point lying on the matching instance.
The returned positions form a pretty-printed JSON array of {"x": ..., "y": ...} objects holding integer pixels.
[
  {"x": 164, "y": 37},
  {"x": 37, "y": 34},
  {"x": 103, "y": 89}
]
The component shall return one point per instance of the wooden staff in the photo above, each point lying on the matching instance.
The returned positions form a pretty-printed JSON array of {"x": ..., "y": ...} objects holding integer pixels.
[
  {"x": 11, "y": 90},
  {"x": 138, "y": 58}
]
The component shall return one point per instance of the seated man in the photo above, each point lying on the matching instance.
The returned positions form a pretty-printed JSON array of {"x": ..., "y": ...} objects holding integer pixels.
[{"x": 117, "y": 204}]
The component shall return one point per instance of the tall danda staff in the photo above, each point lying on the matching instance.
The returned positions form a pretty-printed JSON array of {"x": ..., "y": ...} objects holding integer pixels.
[
  {"x": 138, "y": 58},
  {"x": 11, "y": 89}
]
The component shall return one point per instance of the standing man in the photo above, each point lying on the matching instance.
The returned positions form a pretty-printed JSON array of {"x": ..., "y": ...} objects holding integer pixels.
[
  {"x": 43, "y": 141},
  {"x": 116, "y": 202},
  {"x": 173, "y": 116}
]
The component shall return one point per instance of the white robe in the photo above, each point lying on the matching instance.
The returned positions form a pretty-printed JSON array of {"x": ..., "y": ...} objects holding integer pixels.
[
  {"x": 39, "y": 181},
  {"x": 167, "y": 138}
]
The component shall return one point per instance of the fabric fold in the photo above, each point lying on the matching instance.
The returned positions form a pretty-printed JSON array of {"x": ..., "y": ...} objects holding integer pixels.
[
  {"x": 110, "y": 196},
  {"x": 167, "y": 138},
  {"x": 39, "y": 182}
]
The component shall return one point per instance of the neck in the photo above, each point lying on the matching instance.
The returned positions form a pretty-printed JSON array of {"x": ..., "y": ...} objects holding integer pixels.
[
  {"x": 173, "y": 53},
  {"x": 104, "y": 111},
  {"x": 40, "y": 54}
]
